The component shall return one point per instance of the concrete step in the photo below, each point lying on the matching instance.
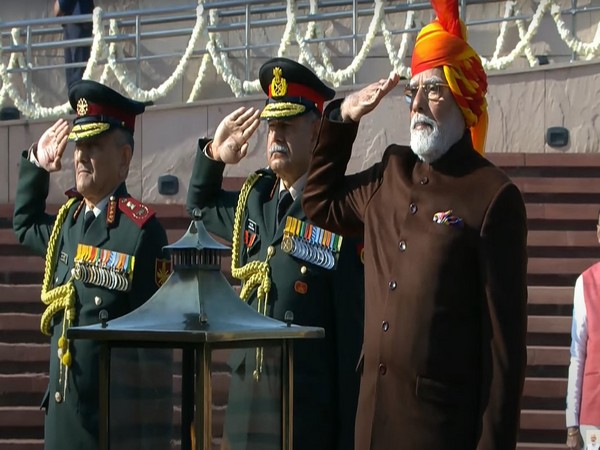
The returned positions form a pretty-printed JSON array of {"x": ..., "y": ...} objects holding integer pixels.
[
  {"x": 24, "y": 357},
  {"x": 21, "y": 422},
  {"x": 23, "y": 298},
  {"x": 21, "y": 328},
  {"x": 21, "y": 444},
  {"x": 22, "y": 389}
]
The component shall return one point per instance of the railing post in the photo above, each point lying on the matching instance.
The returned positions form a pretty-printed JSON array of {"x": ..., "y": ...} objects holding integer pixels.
[
  {"x": 28, "y": 64},
  {"x": 248, "y": 35},
  {"x": 138, "y": 69},
  {"x": 573, "y": 26}
]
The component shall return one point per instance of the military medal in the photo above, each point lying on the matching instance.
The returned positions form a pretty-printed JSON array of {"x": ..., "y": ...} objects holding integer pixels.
[
  {"x": 104, "y": 268},
  {"x": 310, "y": 243}
]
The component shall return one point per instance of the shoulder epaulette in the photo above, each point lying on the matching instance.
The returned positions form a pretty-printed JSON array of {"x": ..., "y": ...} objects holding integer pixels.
[
  {"x": 73, "y": 193},
  {"x": 136, "y": 210}
]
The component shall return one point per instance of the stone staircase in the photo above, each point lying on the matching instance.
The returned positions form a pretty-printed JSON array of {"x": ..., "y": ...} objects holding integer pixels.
[{"x": 562, "y": 193}]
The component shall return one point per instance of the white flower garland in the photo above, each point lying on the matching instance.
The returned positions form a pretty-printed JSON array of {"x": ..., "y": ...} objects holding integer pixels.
[
  {"x": 587, "y": 50},
  {"x": 166, "y": 87},
  {"x": 108, "y": 55},
  {"x": 396, "y": 58},
  {"x": 503, "y": 62},
  {"x": 336, "y": 77}
]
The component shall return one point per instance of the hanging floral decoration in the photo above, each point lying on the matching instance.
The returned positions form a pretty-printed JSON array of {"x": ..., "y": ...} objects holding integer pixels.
[{"x": 106, "y": 60}]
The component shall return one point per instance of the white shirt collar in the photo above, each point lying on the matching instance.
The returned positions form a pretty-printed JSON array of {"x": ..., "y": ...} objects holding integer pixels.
[
  {"x": 99, "y": 207},
  {"x": 296, "y": 189}
]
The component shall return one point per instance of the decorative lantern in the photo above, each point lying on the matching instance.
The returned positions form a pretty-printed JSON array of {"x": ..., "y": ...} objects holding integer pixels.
[{"x": 181, "y": 337}]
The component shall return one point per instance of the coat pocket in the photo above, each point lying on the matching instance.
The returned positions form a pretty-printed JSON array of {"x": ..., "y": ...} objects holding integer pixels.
[{"x": 441, "y": 391}]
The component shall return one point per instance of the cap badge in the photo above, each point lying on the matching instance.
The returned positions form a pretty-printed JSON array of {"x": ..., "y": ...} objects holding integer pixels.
[
  {"x": 279, "y": 84},
  {"x": 82, "y": 107}
]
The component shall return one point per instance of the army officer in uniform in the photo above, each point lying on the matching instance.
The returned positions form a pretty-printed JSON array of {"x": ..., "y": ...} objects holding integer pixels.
[
  {"x": 293, "y": 264},
  {"x": 103, "y": 250}
]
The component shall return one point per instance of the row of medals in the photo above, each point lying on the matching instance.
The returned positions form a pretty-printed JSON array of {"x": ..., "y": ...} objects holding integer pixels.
[
  {"x": 312, "y": 252},
  {"x": 104, "y": 268}
]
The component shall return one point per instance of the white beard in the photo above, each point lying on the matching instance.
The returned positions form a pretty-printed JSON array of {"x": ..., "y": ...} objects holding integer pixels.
[{"x": 431, "y": 145}]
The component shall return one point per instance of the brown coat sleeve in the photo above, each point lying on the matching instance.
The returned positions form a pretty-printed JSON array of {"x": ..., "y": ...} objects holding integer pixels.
[
  {"x": 503, "y": 263},
  {"x": 331, "y": 199}
]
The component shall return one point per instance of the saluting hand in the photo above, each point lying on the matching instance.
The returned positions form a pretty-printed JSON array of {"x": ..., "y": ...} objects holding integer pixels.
[
  {"x": 230, "y": 144},
  {"x": 364, "y": 101},
  {"x": 51, "y": 146}
]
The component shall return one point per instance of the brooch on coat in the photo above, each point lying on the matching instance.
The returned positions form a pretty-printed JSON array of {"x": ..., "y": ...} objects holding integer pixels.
[
  {"x": 310, "y": 243},
  {"x": 104, "y": 268},
  {"x": 447, "y": 218}
]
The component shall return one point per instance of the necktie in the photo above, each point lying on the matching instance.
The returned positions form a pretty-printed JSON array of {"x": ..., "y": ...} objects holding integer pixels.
[
  {"x": 285, "y": 201},
  {"x": 87, "y": 221}
]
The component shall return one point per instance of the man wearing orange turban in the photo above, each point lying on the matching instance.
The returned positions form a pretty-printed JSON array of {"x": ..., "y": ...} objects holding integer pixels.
[{"x": 445, "y": 235}]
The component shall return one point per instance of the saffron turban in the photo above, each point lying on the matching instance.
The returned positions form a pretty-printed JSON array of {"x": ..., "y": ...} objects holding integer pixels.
[{"x": 443, "y": 43}]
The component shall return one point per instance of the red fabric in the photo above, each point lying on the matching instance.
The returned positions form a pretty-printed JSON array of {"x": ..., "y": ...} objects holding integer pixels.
[
  {"x": 589, "y": 413},
  {"x": 96, "y": 109},
  {"x": 299, "y": 90}
]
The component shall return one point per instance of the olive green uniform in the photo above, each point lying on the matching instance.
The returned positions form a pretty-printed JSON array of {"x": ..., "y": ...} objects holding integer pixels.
[
  {"x": 72, "y": 412},
  {"x": 325, "y": 378}
]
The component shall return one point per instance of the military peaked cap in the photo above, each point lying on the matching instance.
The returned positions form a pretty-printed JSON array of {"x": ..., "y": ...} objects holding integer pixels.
[
  {"x": 293, "y": 89},
  {"x": 99, "y": 109}
]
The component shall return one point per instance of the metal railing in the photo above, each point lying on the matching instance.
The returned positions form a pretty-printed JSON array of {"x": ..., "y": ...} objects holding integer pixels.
[{"x": 247, "y": 24}]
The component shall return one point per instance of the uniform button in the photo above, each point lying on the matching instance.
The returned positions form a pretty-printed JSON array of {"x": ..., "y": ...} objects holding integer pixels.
[
  {"x": 58, "y": 397},
  {"x": 382, "y": 369},
  {"x": 270, "y": 251},
  {"x": 424, "y": 180},
  {"x": 385, "y": 325},
  {"x": 97, "y": 301},
  {"x": 392, "y": 285},
  {"x": 413, "y": 208},
  {"x": 303, "y": 270},
  {"x": 402, "y": 245},
  {"x": 56, "y": 279}
]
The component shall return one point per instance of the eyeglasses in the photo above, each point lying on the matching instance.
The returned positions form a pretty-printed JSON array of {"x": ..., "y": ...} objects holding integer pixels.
[{"x": 432, "y": 89}]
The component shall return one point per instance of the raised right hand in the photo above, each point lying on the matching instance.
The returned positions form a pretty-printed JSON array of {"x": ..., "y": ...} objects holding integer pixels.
[
  {"x": 51, "y": 146},
  {"x": 230, "y": 144},
  {"x": 364, "y": 101}
]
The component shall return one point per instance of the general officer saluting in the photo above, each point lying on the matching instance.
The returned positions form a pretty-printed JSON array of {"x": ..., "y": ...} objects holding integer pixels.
[
  {"x": 103, "y": 249},
  {"x": 285, "y": 264}
]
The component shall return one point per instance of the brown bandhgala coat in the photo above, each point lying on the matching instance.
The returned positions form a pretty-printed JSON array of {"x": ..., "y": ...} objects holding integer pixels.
[{"x": 444, "y": 351}]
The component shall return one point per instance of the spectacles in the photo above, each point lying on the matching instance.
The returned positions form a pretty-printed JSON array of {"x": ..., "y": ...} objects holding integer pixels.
[{"x": 432, "y": 89}]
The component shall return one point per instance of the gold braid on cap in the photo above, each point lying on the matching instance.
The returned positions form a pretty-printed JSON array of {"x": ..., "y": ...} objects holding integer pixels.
[
  {"x": 282, "y": 109},
  {"x": 59, "y": 298},
  {"x": 86, "y": 130}
]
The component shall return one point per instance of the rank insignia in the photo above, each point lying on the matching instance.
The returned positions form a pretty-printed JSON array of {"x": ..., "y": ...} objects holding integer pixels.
[
  {"x": 250, "y": 233},
  {"x": 311, "y": 243},
  {"x": 105, "y": 268},
  {"x": 278, "y": 84},
  {"x": 162, "y": 271},
  {"x": 64, "y": 258},
  {"x": 82, "y": 107},
  {"x": 447, "y": 218}
]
